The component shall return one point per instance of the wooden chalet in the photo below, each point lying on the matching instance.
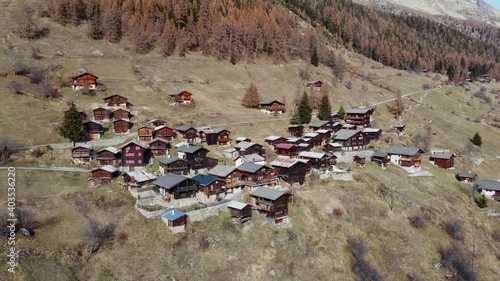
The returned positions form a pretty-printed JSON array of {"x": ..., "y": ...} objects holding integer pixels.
[
  {"x": 273, "y": 203},
  {"x": 108, "y": 156},
  {"x": 215, "y": 136},
  {"x": 314, "y": 85},
  {"x": 240, "y": 139},
  {"x": 316, "y": 160},
  {"x": 93, "y": 130},
  {"x": 286, "y": 149},
  {"x": 82, "y": 153},
  {"x": 359, "y": 116},
  {"x": 466, "y": 176},
  {"x": 315, "y": 138},
  {"x": 296, "y": 130},
  {"x": 372, "y": 133},
  {"x": 399, "y": 128},
  {"x": 175, "y": 186},
  {"x": 100, "y": 114},
  {"x": 255, "y": 174},
  {"x": 187, "y": 133},
  {"x": 295, "y": 141},
  {"x": 145, "y": 133},
  {"x": 305, "y": 146},
  {"x": 225, "y": 175},
  {"x": 443, "y": 160},
  {"x": 274, "y": 140},
  {"x": 336, "y": 127},
  {"x": 157, "y": 122},
  {"x": 381, "y": 158},
  {"x": 196, "y": 156},
  {"x": 272, "y": 106},
  {"x": 336, "y": 118},
  {"x": 351, "y": 139},
  {"x": 159, "y": 147},
  {"x": 104, "y": 175},
  {"x": 326, "y": 135},
  {"x": 175, "y": 220},
  {"x": 210, "y": 186},
  {"x": 121, "y": 113},
  {"x": 84, "y": 81},
  {"x": 490, "y": 188},
  {"x": 291, "y": 170},
  {"x": 174, "y": 165},
  {"x": 116, "y": 101},
  {"x": 122, "y": 126},
  {"x": 409, "y": 157},
  {"x": 320, "y": 125},
  {"x": 164, "y": 132},
  {"x": 137, "y": 179},
  {"x": 247, "y": 148},
  {"x": 181, "y": 97},
  {"x": 134, "y": 155},
  {"x": 359, "y": 160},
  {"x": 332, "y": 147},
  {"x": 250, "y": 158},
  {"x": 240, "y": 212}
]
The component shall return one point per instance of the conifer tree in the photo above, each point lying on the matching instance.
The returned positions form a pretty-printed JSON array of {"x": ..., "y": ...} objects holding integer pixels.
[
  {"x": 304, "y": 109},
  {"x": 314, "y": 58},
  {"x": 295, "y": 118},
  {"x": 341, "y": 112},
  {"x": 251, "y": 97},
  {"x": 476, "y": 140},
  {"x": 72, "y": 127},
  {"x": 325, "y": 109},
  {"x": 450, "y": 72}
]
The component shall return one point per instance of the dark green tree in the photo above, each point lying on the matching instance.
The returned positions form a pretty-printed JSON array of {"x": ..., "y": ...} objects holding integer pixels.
[
  {"x": 451, "y": 71},
  {"x": 72, "y": 127},
  {"x": 325, "y": 109},
  {"x": 314, "y": 58},
  {"x": 232, "y": 59},
  {"x": 482, "y": 201},
  {"x": 295, "y": 118},
  {"x": 476, "y": 140},
  {"x": 304, "y": 110},
  {"x": 341, "y": 112},
  {"x": 96, "y": 30}
]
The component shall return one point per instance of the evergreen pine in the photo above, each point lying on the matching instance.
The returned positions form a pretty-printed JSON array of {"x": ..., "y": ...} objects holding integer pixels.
[
  {"x": 450, "y": 72},
  {"x": 341, "y": 112},
  {"x": 305, "y": 109},
  {"x": 232, "y": 59},
  {"x": 325, "y": 109},
  {"x": 476, "y": 140},
  {"x": 314, "y": 58},
  {"x": 295, "y": 118},
  {"x": 72, "y": 127},
  {"x": 482, "y": 201}
]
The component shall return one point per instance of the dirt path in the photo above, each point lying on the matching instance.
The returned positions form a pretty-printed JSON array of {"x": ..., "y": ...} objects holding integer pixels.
[
  {"x": 406, "y": 95},
  {"x": 58, "y": 169}
]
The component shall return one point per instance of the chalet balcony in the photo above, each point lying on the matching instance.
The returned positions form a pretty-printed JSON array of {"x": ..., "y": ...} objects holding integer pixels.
[
  {"x": 81, "y": 155},
  {"x": 351, "y": 117},
  {"x": 250, "y": 183}
]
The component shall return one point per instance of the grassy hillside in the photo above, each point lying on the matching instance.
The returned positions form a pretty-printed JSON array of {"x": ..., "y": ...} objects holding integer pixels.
[{"x": 325, "y": 213}]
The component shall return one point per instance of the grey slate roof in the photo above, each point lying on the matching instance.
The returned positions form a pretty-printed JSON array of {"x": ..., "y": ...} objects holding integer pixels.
[
  {"x": 345, "y": 134},
  {"x": 315, "y": 155},
  {"x": 267, "y": 193},
  {"x": 141, "y": 176},
  {"x": 285, "y": 162},
  {"x": 221, "y": 171},
  {"x": 188, "y": 148},
  {"x": 249, "y": 167},
  {"x": 378, "y": 154},
  {"x": 177, "y": 92},
  {"x": 110, "y": 149},
  {"x": 240, "y": 138},
  {"x": 236, "y": 205},
  {"x": 403, "y": 150},
  {"x": 158, "y": 139},
  {"x": 358, "y": 110},
  {"x": 183, "y": 128},
  {"x": 268, "y": 102},
  {"x": 108, "y": 168},
  {"x": 169, "y": 180},
  {"x": 244, "y": 145},
  {"x": 489, "y": 185},
  {"x": 272, "y": 138},
  {"x": 84, "y": 145},
  {"x": 166, "y": 161},
  {"x": 467, "y": 175},
  {"x": 251, "y": 158},
  {"x": 442, "y": 155},
  {"x": 371, "y": 130},
  {"x": 319, "y": 124},
  {"x": 134, "y": 142}
]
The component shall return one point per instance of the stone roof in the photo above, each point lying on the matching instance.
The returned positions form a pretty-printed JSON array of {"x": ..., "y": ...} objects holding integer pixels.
[
  {"x": 285, "y": 162},
  {"x": 358, "y": 110},
  {"x": 236, "y": 205},
  {"x": 267, "y": 193},
  {"x": 141, "y": 176},
  {"x": 403, "y": 150},
  {"x": 489, "y": 185},
  {"x": 442, "y": 155},
  {"x": 314, "y": 155},
  {"x": 166, "y": 160},
  {"x": 249, "y": 167},
  {"x": 345, "y": 134},
  {"x": 221, "y": 171},
  {"x": 169, "y": 180}
]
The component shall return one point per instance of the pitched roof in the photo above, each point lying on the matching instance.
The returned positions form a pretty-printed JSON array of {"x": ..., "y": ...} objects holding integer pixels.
[
  {"x": 84, "y": 145},
  {"x": 358, "y": 110},
  {"x": 169, "y": 180},
  {"x": 221, "y": 171},
  {"x": 292, "y": 140},
  {"x": 285, "y": 162},
  {"x": 177, "y": 145},
  {"x": 83, "y": 74},
  {"x": 314, "y": 82},
  {"x": 236, "y": 205},
  {"x": 133, "y": 142},
  {"x": 308, "y": 154},
  {"x": 204, "y": 179},
  {"x": 95, "y": 122},
  {"x": 371, "y": 130},
  {"x": 403, "y": 150},
  {"x": 108, "y": 168},
  {"x": 322, "y": 131},
  {"x": 183, "y": 128},
  {"x": 141, "y": 176},
  {"x": 252, "y": 158},
  {"x": 311, "y": 135},
  {"x": 378, "y": 154},
  {"x": 100, "y": 107},
  {"x": 166, "y": 160},
  {"x": 158, "y": 139},
  {"x": 319, "y": 123},
  {"x": 173, "y": 214},
  {"x": 489, "y": 185},
  {"x": 178, "y": 92},
  {"x": 249, "y": 167},
  {"x": 399, "y": 126},
  {"x": 295, "y": 126},
  {"x": 467, "y": 175},
  {"x": 267, "y": 193},
  {"x": 110, "y": 149},
  {"x": 208, "y": 130},
  {"x": 285, "y": 145},
  {"x": 189, "y": 148},
  {"x": 114, "y": 96},
  {"x": 272, "y": 138},
  {"x": 121, "y": 109},
  {"x": 334, "y": 144},
  {"x": 303, "y": 144},
  {"x": 160, "y": 127},
  {"x": 345, "y": 134},
  {"x": 442, "y": 155},
  {"x": 268, "y": 102},
  {"x": 123, "y": 119},
  {"x": 241, "y": 139},
  {"x": 244, "y": 145}
]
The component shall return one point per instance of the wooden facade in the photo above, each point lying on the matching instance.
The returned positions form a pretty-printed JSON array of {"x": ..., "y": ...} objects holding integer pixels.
[
  {"x": 197, "y": 157},
  {"x": 351, "y": 139},
  {"x": 316, "y": 160},
  {"x": 443, "y": 160},
  {"x": 174, "y": 165},
  {"x": 381, "y": 158},
  {"x": 209, "y": 185},
  {"x": 107, "y": 156},
  {"x": 240, "y": 212},
  {"x": 82, "y": 154},
  {"x": 315, "y": 139},
  {"x": 188, "y": 134},
  {"x": 85, "y": 81},
  {"x": 286, "y": 149},
  {"x": 159, "y": 147},
  {"x": 100, "y": 114},
  {"x": 247, "y": 148},
  {"x": 121, "y": 114},
  {"x": 274, "y": 140},
  {"x": 272, "y": 202},
  {"x": 157, "y": 122},
  {"x": 175, "y": 186},
  {"x": 103, "y": 175},
  {"x": 332, "y": 147},
  {"x": 466, "y": 177},
  {"x": 93, "y": 130},
  {"x": 406, "y": 156},
  {"x": 215, "y": 136},
  {"x": 321, "y": 125},
  {"x": 181, "y": 97},
  {"x": 163, "y": 132},
  {"x": 145, "y": 133},
  {"x": 296, "y": 130},
  {"x": 314, "y": 85},
  {"x": 138, "y": 179},
  {"x": 253, "y": 174},
  {"x": 372, "y": 133},
  {"x": 134, "y": 155},
  {"x": 122, "y": 126},
  {"x": 272, "y": 106},
  {"x": 116, "y": 100},
  {"x": 290, "y": 170},
  {"x": 359, "y": 116},
  {"x": 359, "y": 160}
]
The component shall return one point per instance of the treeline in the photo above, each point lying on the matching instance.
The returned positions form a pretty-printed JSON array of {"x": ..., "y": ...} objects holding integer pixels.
[
  {"x": 241, "y": 29},
  {"x": 401, "y": 41}
]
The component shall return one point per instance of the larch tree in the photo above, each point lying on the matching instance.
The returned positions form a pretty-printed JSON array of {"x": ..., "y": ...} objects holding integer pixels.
[
  {"x": 72, "y": 127},
  {"x": 397, "y": 108},
  {"x": 112, "y": 24},
  {"x": 27, "y": 27},
  {"x": 340, "y": 67},
  {"x": 94, "y": 12},
  {"x": 325, "y": 109},
  {"x": 251, "y": 97}
]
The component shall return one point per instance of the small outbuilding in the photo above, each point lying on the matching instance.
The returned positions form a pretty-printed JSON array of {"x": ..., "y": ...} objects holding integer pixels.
[
  {"x": 240, "y": 212},
  {"x": 104, "y": 175},
  {"x": 175, "y": 220},
  {"x": 466, "y": 176}
]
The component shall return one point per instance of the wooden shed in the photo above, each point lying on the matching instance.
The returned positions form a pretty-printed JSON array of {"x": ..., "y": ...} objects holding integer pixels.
[
  {"x": 159, "y": 147},
  {"x": 175, "y": 220},
  {"x": 122, "y": 126},
  {"x": 104, "y": 175},
  {"x": 108, "y": 156},
  {"x": 145, "y": 133},
  {"x": 240, "y": 212},
  {"x": 100, "y": 114},
  {"x": 84, "y": 80},
  {"x": 443, "y": 160},
  {"x": 116, "y": 100},
  {"x": 82, "y": 153},
  {"x": 121, "y": 113}
]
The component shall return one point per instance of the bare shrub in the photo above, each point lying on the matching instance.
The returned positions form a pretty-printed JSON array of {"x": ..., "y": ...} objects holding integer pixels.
[
  {"x": 35, "y": 53},
  {"x": 3, "y": 225},
  {"x": 418, "y": 221},
  {"x": 20, "y": 68},
  {"x": 313, "y": 178},
  {"x": 7, "y": 147},
  {"x": 455, "y": 229},
  {"x": 97, "y": 234},
  {"x": 426, "y": 86},
  {"x": 122, "y": 237},
  {"x": 496, "y": 235},
  {"x": 229, "y": 226},
  {"x": 26, "y": 217},
  {"x": 38, "y": 152},
  {"x": 348, "y": 85},
  {"x": 292, "y": 236},
  {"x": 304, "y": 74},
  {"x": 357, "y": 247},
  {"x": 16, "y": 87},
  {"x": 456, "y": 260},
  {"x": 37, "y": 75},
  {"x": 204, "y": 242},
  {"x": 360, "y": 267},
  {"x": 338, "y": 212}
]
